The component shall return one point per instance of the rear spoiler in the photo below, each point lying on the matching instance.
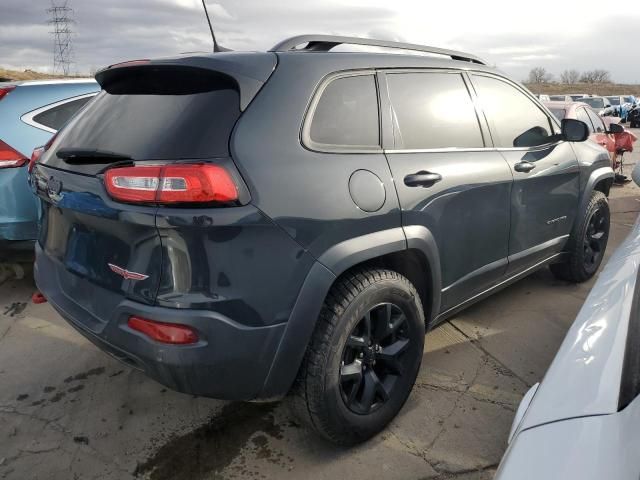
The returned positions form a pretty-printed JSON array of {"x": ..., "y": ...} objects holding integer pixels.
[{"x": 249, "y": 71}]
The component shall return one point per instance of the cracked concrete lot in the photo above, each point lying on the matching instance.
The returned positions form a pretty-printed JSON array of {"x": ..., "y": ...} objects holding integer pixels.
[{"x": 68, "y": 411}]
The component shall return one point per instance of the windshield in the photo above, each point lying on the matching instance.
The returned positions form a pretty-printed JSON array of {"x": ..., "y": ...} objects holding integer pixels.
[
  {"x": 594, "y": 102},
  {"x": 614, "y": 100}
]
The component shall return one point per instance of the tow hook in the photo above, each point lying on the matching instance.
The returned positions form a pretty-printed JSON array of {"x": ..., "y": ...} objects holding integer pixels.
[{"x": 38, "y": 297}]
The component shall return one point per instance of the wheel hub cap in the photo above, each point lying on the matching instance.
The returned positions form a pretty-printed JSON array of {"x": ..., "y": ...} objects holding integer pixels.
[{"x": 374, "y": 358}]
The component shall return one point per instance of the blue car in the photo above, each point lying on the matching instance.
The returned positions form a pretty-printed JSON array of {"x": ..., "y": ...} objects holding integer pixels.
[
  {"x": 30, "y": 113},
  {"x": 622, "y": 105}
]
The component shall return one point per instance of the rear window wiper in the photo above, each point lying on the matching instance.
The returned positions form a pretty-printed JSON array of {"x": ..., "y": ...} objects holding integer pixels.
[{"x": 90, "y": 155}]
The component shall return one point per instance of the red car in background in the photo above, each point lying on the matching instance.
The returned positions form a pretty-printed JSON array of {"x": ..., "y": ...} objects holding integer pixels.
[{"x": 600, "y": 128}]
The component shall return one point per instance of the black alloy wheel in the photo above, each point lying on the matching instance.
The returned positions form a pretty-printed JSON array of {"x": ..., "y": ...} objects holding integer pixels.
[
  {"x": 595, "y": 240},
  {"x": 373, "y": 359}
]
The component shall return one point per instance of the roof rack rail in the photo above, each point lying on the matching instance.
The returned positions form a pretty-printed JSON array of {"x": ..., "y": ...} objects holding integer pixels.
[{"x": 324, "y": 43}]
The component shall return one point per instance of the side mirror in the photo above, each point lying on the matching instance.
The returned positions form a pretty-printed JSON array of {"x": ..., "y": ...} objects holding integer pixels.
[
  {"x": 574, "y": 130},
  {"x": 615, "y": 128}
]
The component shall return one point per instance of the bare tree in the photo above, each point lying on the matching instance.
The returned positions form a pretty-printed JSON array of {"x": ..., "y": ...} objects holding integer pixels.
[
  {"x": 570, "y": 76},
  {"x": 539, "y": 75},
  {"x": 596, "y": 76}
]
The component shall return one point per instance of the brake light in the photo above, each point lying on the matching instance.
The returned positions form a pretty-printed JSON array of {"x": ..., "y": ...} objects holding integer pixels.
[
  {"x": 130, "y": 63},
  {"x": 35, "y": 156},
  {"x": 169, "y": 184},
  {"x": 5, "y": 90},
  {"x": 10, "y": 157},
  {"x": 38, "y": 151},
  {"x": 171, "y": 333}
]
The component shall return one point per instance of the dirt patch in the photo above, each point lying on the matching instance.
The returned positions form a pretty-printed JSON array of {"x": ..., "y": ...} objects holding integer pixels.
[
  {"x": 16, "y": 308},
  {"x": 85, "y": 375},
  {"x": 589, "y": 88}
]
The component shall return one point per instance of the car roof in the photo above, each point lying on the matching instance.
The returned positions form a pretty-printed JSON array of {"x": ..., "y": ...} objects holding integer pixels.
[
  {"x": 561, "y": 104},
  {"x": 53, "y": 81},
  {"x": 316, "y": 49}
]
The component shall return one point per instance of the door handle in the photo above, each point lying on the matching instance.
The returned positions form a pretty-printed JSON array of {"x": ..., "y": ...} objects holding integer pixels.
[
  {"x": 524, "y": 166},
  {"x": 422, "y": 179}
]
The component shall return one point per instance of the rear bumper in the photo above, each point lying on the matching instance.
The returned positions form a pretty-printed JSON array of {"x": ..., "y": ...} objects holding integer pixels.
[{"x": 231, "y": 361}]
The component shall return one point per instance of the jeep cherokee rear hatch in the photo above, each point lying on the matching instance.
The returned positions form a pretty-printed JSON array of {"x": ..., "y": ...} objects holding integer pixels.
[{"x": 156, "y": 136}]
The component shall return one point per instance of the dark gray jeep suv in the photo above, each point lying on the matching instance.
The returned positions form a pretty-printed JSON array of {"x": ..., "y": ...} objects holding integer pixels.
[{"x": 250, "y": 225}]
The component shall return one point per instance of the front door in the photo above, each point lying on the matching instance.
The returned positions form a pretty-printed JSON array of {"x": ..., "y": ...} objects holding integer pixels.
[
  {"x": 544, "y": 198},
  {"x": 449, "y": 180}
]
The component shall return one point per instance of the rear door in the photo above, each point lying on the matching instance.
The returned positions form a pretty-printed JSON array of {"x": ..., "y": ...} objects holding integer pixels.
[
  {"x": 449, "y": 179},
  {"x": 544, "y": 199},
  {"x": 98, "y": 250}
]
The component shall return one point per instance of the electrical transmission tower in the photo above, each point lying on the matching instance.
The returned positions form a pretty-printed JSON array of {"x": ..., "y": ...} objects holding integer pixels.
[{"x": 61, "y": 20}]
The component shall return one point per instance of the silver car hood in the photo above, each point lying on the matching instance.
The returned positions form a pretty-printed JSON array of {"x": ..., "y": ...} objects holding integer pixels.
[{"x": 584, "y": 377}]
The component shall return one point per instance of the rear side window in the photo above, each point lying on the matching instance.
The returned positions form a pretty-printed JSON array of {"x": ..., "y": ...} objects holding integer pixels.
[
  {"x": 433, "y": 110},
  {"x": 515, "y": 120},
  {"x": 158, "y": 115},
  {"x": 57, "y": 116},
  {"x": 346, "y": 114},
  {"x": 581, "y": 115}
]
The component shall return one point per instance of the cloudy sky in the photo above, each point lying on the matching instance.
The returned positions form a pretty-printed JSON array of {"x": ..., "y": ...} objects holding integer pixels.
[{"x": 514, "y": 35}]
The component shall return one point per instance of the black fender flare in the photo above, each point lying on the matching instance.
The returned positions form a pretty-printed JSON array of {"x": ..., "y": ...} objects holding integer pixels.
[
  {"x": 595, "y": 177},
  {"x": 320, "y": 279}
]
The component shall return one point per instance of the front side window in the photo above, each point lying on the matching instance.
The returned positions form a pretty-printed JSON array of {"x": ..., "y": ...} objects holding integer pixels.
[
  {"x": 597, "y": 121},
  {"x": 516, "y": 121},
  {"x": 433, "y": 110},
  {"x": 347, "y": 114},
  {"x": 57, "y": 116},
  {"x": 581, "y": 115}
]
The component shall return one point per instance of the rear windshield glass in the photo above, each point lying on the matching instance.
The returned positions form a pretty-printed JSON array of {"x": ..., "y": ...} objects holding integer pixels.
[
  {"x": 594, "y": 102},
  {"x": 614, "y": 100},
  {"x": 557, "y": 98},
  {"x": 158, "y": 116}
]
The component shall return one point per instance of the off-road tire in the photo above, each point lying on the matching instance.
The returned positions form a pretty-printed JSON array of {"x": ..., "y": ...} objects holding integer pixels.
[
  {"x": 317, "y": 396},
  {"x": 577, "y": 268}
]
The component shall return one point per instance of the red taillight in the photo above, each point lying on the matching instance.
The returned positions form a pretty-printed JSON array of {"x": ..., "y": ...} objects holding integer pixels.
[
  {"x": 35, "y": 156},
  {"x": 5, "y": 90},
  {"x": 38, "y": 151},
  {"x": 10, "y": 157},
  {"x": 181, "y": 183},
  {"x": 172, "y": 333}
]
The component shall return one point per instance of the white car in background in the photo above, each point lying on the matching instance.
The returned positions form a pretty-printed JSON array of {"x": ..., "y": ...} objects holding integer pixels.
[{"x": 582, "y": 422}]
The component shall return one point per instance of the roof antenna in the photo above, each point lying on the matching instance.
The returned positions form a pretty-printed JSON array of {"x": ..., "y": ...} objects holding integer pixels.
[{"x": 216, "y": 47}]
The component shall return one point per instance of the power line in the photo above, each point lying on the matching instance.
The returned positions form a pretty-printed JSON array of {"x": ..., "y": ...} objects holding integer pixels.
[{"x": 61, "y": 20}]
